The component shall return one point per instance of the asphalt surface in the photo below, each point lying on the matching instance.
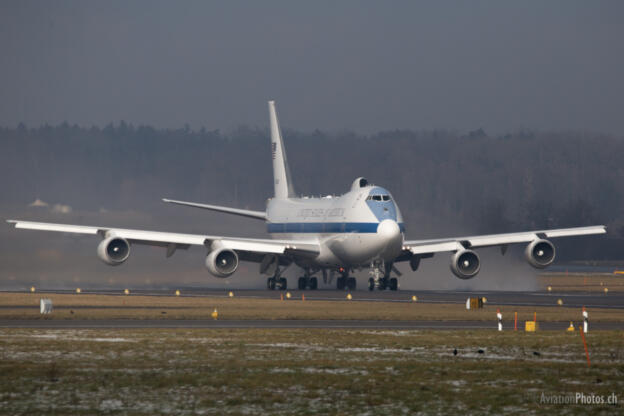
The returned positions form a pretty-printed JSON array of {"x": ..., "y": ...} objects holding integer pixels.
[
  {"x": 612, "y": 300},
  {"x": 278, "y": 324}
]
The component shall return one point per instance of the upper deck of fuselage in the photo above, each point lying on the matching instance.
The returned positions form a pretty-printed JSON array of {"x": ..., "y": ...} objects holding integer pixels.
[{"x": 359, "y": 210}]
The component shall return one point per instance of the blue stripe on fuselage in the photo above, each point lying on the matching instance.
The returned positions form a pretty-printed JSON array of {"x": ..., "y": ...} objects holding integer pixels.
[{"x": 325, "y": 227}]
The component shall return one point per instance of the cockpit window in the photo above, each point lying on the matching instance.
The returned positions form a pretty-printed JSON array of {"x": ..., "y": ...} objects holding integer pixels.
[{"x": 378, "y": 198}]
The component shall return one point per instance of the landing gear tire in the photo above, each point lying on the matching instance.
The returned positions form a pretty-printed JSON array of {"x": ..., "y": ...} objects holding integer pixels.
[
  {"x": 283, "y": 283},
  {"x": 351, "y": 283},
  {"x": 371, "y": 284},
  {"x": 340, "y": 283},
  {"x": 271, "y": 283},
  {"x": 394, "y": 283},
  {"x": 313, "y": 283},
  {"x": 301, "y": 283}
]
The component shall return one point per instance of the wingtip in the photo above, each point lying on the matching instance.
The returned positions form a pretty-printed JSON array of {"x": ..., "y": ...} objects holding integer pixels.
[{"x": 166, "y": 200}]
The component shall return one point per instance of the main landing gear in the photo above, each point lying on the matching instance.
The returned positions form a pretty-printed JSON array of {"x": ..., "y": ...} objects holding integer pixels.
[
  {"x": 380, "y": 277},
  {"x": 344, "y": 281},
  {"x": 306, "y": 282},
  {"x": 277, "y": 283}
]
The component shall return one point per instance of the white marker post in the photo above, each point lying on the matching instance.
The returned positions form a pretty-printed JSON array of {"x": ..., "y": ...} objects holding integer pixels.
[
  {"x": 499, "y": 315},
  {"x": 45, "y": 306},
  {"x": 585, "y": 320}
]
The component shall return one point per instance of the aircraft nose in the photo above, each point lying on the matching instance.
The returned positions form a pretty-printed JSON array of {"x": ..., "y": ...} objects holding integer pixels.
[{"x": 388, "y": 230}]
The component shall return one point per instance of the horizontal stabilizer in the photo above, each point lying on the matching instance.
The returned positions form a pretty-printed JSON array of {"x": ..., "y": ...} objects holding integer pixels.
[{"x": 259, "y": 215}]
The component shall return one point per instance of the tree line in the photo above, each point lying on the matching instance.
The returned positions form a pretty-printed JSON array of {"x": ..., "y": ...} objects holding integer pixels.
[{"x": 482, "y": 183}]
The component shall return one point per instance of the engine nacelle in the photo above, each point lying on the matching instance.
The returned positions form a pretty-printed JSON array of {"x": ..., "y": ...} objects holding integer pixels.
[
  {"x": 222, "y": 262},
  {"x": 113, "y": 250},
  {"x": 465, "y": 264},
  {"x": 540, "y": 253}
]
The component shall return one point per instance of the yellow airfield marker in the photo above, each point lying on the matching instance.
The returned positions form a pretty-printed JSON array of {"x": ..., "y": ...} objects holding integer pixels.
[
  {"x": 126, "y": 291},
  {"x": 32, "y": 289},
  {"x": 215, "y": 314},
  {"x": 288, "y": 295},
  {"x": 606, "y": 290},
  {"x": 549, "y": 288},
  {"x": 231, "y": 294},
  {"x": 78, "y": 290},
  {"x": 484, "y": 300},
  {"x": 177, "y": 293},
  {"x": 414, "y": 298},
  {"x": 571, "y": 327},
  {"x": 559, "y": 302},
  {"x": 349, "y": 297}
]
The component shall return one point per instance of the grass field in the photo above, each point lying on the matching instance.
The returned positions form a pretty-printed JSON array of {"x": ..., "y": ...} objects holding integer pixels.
[
  {"x": 88, "y": 306},
  {"x": 582, "y": 282},
  {"x": 348, "y": 372}
]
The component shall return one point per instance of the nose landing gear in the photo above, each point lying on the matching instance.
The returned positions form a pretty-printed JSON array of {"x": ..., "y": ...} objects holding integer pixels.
[{"x": 380, "y": 277}]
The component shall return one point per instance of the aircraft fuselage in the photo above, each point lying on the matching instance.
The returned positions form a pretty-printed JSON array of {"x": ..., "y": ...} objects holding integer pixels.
[{"x": 353, "y": 229}]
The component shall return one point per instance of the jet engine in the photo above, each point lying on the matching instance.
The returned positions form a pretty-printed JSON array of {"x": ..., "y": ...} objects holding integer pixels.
[
  {"x": 540, "y": 253},
  {"x": 465, "y": 264},
  {"x": 222, "y": 262},
  {"x": 113, "y": 250}
]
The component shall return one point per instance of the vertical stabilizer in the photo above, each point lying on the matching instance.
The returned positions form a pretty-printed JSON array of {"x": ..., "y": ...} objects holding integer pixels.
[{"x": 281, "y": 173}]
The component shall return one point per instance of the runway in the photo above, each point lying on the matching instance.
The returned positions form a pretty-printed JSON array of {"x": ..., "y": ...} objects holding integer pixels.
[
  {"x": 278, "y": 324},
  {"x": 612, "y": 300}
]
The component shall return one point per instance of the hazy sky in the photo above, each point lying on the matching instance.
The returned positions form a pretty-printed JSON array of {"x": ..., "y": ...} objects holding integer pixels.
[{"x": 363, "y": 66}]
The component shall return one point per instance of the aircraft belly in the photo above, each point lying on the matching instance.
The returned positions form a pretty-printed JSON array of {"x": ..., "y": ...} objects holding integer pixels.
[{"x": 355, "y": 248}]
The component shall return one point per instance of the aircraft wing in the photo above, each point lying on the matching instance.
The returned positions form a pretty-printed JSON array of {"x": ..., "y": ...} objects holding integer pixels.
[
  {"x": 420, "y": 247},
  {"x": 174, "y": 241}
]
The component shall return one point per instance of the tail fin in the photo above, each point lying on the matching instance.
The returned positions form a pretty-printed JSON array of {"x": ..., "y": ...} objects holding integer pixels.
[{"x": 281, "y": 173}]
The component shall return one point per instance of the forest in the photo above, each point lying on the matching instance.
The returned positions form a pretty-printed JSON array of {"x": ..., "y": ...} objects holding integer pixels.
[{"x": 445, "y": 182}]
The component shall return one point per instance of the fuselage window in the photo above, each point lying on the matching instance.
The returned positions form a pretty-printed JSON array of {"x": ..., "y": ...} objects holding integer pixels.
[{"x": 386, "y": 197}]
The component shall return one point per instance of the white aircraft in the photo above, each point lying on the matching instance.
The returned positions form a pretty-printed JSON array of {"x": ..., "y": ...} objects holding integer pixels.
[{"x": 362, "y": 228}]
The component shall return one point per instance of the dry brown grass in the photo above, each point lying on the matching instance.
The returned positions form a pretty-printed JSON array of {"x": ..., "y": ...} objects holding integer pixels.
[
  {"x": 582, "y": 282},
  {"x": 88, "y": 306}
]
